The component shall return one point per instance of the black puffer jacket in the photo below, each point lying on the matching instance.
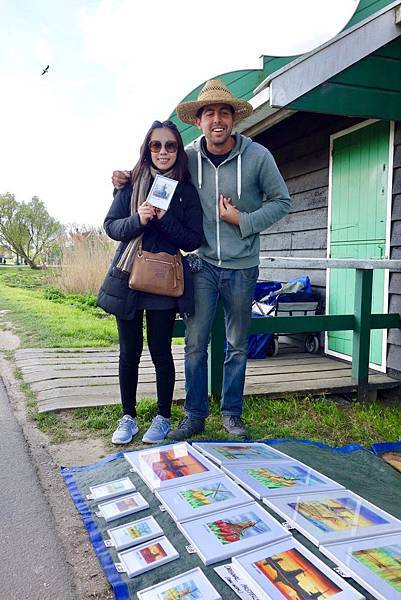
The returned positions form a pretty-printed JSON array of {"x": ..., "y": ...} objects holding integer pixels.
[{"x": 179, "y": 228}]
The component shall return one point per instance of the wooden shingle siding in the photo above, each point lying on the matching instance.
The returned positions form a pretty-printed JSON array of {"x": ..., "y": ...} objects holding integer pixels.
[
  {"x": 300, "y": 146},
  {"x": 394, "y": 338}
]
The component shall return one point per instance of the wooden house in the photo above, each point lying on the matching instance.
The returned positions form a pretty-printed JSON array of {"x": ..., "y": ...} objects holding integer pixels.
[{"x": 332, "y": 119}]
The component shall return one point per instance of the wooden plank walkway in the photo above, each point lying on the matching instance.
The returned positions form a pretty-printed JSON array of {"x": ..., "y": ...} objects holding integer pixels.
[{"x": 75, "y": 378}]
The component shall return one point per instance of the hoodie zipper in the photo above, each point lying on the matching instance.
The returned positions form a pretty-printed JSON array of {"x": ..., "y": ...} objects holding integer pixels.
[
  {"x": 216, "y": 169},
  {"x": 217, "y": 215}
]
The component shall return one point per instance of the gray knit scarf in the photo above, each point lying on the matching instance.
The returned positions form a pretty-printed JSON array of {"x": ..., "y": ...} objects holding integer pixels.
[{"x": 140, "y": 190}]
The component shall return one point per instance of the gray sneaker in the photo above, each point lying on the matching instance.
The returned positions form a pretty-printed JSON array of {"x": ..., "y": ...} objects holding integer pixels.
[
  {"x": 157, "y": 431},
  {"x": 234, "y": 426},
  {"x": 126, "y": 429},
  {"x": 187, "y": 428}
]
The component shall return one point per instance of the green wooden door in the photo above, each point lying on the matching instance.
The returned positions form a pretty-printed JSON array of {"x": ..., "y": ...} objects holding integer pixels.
[{"x": 358, "y": 223}]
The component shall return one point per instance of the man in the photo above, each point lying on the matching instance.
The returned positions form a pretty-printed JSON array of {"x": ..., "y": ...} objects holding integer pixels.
[{"x": 242, "y": 193}]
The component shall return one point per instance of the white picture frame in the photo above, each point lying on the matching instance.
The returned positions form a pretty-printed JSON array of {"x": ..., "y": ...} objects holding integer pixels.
[
  {"x": 122, "y": 506},
  {"x": 133, "y": 533},
  {"x": 361, "y": 558},
  {"x": 111, "y": 489},
  {"x": 198, "y": 498},
  {"x": 161, "y": 192},
  {"x": 222, "y": 535},
  {"x": 333, "y": 516},
  {"x": 145, "y": 557},
  {"x": 240, "y": 452},
  {"x": 279, "y": 478},
  {"x": 195, "y": 581},
  {"x": 290, "y": 562},
  {"x": 170, "y": 465}
]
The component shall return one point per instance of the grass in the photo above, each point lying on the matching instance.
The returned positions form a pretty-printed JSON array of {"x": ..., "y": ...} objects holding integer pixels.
[
  {"x": 40, "y": 321},
  {"x": 44, "y": 316},
  {"x": 319, "y": 419}
]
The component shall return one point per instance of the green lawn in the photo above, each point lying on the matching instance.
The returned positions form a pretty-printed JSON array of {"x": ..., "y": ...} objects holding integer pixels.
[
  {"x": 43, "y": 317},
  {"x": 43, "y": 322}
]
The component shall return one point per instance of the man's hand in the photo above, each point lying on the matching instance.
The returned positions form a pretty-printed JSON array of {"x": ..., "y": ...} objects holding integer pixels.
[
  {"x": 228, "y": 212},
  {"x": 120, "y": 179},
  {"x": 146, "y": 212}
]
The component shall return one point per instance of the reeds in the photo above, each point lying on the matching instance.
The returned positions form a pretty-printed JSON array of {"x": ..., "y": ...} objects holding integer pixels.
[{"x": 86, "y": 256}]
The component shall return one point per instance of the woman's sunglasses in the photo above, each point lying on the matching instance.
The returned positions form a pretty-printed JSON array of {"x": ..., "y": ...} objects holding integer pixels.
[{"x": 156, "y": 146}]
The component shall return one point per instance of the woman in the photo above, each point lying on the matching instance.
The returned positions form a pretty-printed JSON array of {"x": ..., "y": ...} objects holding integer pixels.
[{"x": 180, "y": 227}]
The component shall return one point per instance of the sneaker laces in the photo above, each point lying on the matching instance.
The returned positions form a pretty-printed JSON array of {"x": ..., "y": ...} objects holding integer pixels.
[
  {"x": 126, "y": 423},
  {"x": 160, "y": 422},
  {"x": 236, "y": 421}
]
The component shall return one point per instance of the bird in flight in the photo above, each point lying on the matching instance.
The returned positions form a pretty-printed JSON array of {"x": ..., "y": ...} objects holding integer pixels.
[{"x": 45, "y": 70}]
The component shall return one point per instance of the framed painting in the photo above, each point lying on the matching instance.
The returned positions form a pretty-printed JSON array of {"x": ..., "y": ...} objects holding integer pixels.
[
  {"x": 111, "y": 489},
  {"x": 191, "y": 585},
  {"x": 221, "y": 535},
  {"x": 334, "y": 516},
  {"x": 286, "y": 569},
  {"x": 131, "y": 534},
  {"x": 146, "y": 557},
  {"x": 375, "y": 563},
  {"x": 122, "y": 506},
  {"x": 198, "y": 498},
  {"x": 279, "y": 479},
  {"x": 239, "y": 452},
  {"x": 170, "y": 465}
]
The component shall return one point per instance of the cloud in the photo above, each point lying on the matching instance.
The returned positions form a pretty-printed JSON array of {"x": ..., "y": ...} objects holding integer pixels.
[{"x": 114, "y": 68}]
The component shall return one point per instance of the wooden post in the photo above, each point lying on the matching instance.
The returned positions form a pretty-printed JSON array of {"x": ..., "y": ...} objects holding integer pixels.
[
  {"x": 216, "y": 353},
  {"x": 361, "y": 335}
]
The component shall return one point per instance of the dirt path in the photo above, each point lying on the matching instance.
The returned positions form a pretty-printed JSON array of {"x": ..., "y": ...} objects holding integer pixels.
[{"x": 47, "y": 458}]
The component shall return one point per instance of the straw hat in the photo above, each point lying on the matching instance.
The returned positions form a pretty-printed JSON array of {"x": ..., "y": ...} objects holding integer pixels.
[{"x": 214, "y": 91}]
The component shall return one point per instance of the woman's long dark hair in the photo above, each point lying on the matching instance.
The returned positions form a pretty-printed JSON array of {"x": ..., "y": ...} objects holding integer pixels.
[{"x": 180, "y": 169}]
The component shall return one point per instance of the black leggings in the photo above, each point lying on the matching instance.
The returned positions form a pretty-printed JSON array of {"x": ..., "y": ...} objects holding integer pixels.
[{"x": 159, "y": 328}]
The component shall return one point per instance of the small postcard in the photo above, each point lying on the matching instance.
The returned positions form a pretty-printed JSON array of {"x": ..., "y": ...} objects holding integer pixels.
[
  {"x": 136, "y": 532},
  {"x": 147, "y": 556},
  {"x": 191, "y": 585},
  {"x": 199, "y": 498},
  {"x": 221, "y": 535},
  {"x": 161, "y": 192},
  {"x": 286, "y": 569},
  {"x": 239, "y": 452},
  {"x": 334, "y": 516},
  {"x": 171, "y": 465},
  {"x": 111, "y": 489},
  {"x": 279, "y": 479},
  {"x": 123, "y": 506},
  {"x": 375, "y": 563}
]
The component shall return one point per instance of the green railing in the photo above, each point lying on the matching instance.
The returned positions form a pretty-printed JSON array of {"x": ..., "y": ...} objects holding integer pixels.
[{"x": 360, "y": 323}]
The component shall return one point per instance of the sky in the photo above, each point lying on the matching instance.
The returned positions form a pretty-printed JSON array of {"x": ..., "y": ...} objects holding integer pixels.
[{"x": 114, "y": 67}]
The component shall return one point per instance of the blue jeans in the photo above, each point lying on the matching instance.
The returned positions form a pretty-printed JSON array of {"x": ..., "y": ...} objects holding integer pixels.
[{"x": 236, "y": 289}]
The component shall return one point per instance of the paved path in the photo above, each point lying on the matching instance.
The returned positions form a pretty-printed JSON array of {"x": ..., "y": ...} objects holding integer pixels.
[{"x": 32, "y": 564}]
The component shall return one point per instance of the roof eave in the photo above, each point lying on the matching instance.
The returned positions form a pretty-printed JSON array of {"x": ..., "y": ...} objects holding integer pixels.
[{"x": 350, "y": 46}]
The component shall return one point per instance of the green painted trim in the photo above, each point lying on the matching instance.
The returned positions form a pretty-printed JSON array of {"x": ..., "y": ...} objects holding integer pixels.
[
  {"x": 310, "y": 324},
  {"x": 385, "y": 321},
  {"x": 361, "y": 338}
]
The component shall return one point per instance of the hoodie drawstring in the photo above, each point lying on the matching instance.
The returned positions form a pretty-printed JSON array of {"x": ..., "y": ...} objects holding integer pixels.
[
  {"x": 239, "y": 176},
  {"x": 199, "y": 170}
]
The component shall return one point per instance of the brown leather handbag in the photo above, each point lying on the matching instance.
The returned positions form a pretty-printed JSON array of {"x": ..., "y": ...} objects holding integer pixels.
[{"x": 157, "y": 273}]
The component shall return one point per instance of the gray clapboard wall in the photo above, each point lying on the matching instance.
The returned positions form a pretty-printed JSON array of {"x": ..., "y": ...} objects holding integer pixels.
[{"x": 301, "y": 146}]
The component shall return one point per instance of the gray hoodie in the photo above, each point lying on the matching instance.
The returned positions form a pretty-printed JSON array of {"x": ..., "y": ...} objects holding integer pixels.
[{"x": 250, "y": 177}]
